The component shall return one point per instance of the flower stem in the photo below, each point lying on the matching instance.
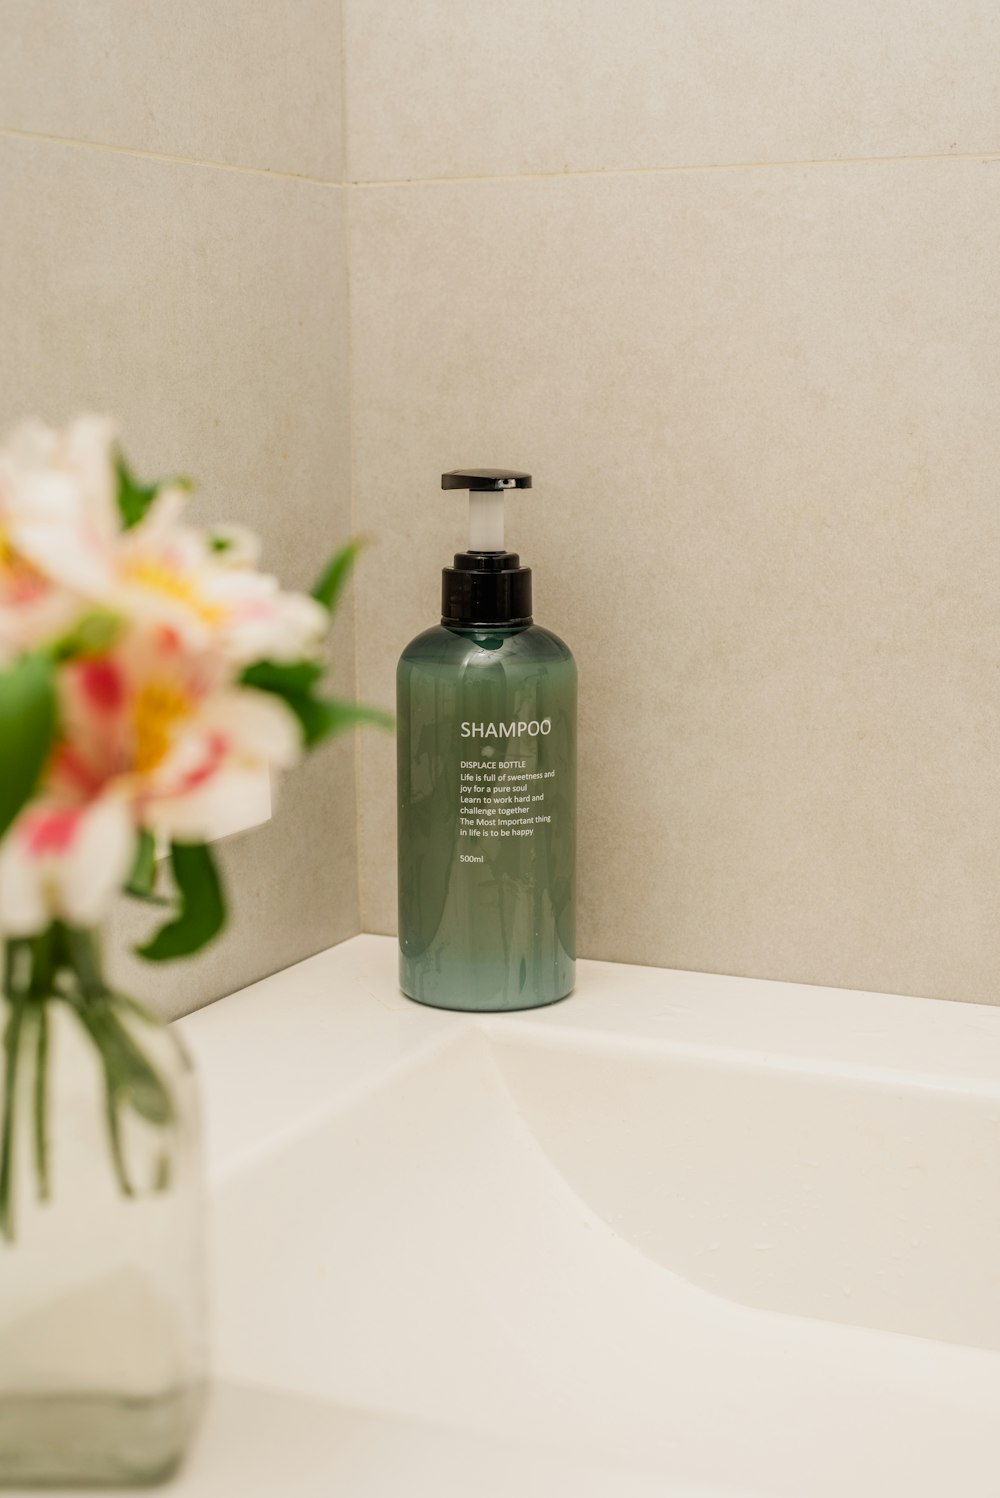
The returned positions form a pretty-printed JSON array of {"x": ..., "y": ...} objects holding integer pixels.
[
  {"x": 83, "y": 954},
  {"x": 115, "y": 1137},
  {"x": 12, "y": 1050},
  {"x": 63, "y": 964},
  {"x": 41, "y": 1109}
]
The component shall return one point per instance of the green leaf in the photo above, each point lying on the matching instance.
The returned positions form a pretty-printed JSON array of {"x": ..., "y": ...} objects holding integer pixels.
[
  {"x": 286, "y": 678},
  {"x": 333, "y": 579},
  {"x": 27, "y": 728},
  {"x": 322, "y": 717},
  {"x": 134, "y": 499},
  {"x": 141, "y": 880},
  {"x": 202, "y": 912},
  {"x": 93, "y": 634},
  {"x": 319, "y": 717}
]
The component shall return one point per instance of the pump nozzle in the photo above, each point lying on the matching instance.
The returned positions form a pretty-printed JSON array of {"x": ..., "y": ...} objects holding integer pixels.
[
  {"x": 486, "y": 488},
  {"x": 487, "y": 584}
]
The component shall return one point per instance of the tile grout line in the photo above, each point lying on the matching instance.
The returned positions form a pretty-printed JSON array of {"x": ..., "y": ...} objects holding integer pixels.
[
  {"x": 164, "y": 156},
  {"x": 581, "y": 172},
  {"x": 665, "y": 171}
]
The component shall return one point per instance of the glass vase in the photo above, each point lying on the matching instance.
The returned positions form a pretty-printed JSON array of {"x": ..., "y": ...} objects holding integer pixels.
[{"x": 101, "y": 1226}]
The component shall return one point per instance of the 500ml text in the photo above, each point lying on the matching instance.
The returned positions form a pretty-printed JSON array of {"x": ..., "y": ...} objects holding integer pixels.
[{"x": 506, "y": 730}]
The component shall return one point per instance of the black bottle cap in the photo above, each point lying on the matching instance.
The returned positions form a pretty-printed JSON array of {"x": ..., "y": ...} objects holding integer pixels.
[
  {"x": 480, "y": 479},
  {"x": 486, "y": 587},
  {"x": 487, "y": 584}
]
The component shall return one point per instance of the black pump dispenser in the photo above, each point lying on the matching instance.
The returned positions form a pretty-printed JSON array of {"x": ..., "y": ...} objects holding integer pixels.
[{"x": 487, "y": 585}]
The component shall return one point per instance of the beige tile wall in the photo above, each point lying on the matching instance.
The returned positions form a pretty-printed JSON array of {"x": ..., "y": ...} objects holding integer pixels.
[
  {"x": 722, "y": 275},
  {"x": 207, "y": 307},
  {"x": 451, "y": 88},
  {"x": 253, "y": 85},
  {"x": 759, "y": 400}
]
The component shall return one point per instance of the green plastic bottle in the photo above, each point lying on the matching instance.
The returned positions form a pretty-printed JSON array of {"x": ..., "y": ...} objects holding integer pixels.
[{"x": 487, "y": 783}]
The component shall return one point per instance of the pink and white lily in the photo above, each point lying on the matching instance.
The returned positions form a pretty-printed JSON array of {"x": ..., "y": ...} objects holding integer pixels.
[
  {"x": 64, "y": 861},
  {"x": 199, "y": 583},
  {"x": 58, "y": 523},
  {"x": 157, "y": 730}
]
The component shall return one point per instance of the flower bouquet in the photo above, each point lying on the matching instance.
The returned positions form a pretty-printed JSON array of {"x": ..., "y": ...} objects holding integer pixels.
[{"x": 149, "y": 674}]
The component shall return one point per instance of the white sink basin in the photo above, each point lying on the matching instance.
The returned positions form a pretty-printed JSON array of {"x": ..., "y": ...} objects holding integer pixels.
[{"x": 680, "y": 1235}]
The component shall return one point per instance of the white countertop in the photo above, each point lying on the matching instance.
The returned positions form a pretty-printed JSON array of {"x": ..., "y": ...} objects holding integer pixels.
[
  {"x": 347, "y": 1000},
  {"x": 657, "y": 1239}
]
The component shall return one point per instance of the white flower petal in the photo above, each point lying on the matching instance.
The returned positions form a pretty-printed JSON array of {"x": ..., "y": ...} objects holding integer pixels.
[
  {"x": 24, "y": 909},
  {"x": 214, "y": 809},
  {"x": 260, "y": 728},
  {"x": 288, "y": 628},
  {"x": 65, "y": 554},
  {"x": 89, "y": 452},
  {"x": 96, "y": 864},
  {"x": 57, "y": 491}
]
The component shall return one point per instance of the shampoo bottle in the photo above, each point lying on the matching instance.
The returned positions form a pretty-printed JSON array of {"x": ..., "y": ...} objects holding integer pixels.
[{"x": 487, "y": 783}]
